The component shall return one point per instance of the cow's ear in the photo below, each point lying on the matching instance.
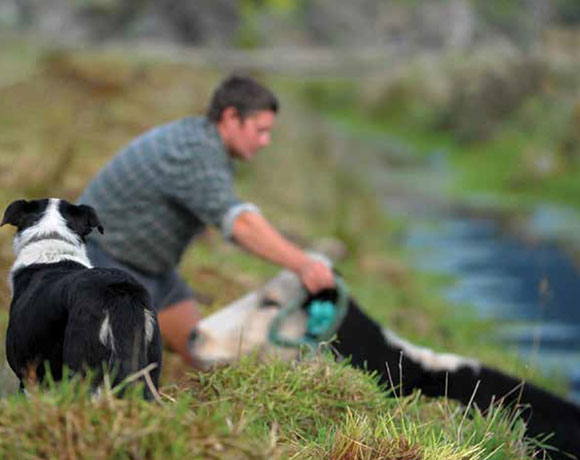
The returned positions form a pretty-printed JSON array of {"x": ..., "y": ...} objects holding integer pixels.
[{"x": 15, "y": 212}]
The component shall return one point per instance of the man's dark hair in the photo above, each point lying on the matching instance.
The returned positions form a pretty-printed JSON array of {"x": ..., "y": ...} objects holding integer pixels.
[{"x": 242, "y": 93}]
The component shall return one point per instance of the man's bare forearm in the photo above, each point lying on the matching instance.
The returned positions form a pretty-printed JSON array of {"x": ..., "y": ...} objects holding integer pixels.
[{"x": 255, "y": 234}]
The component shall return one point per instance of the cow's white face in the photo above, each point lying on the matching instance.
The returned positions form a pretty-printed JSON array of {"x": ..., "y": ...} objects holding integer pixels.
[{"x": 242, "y": 327}]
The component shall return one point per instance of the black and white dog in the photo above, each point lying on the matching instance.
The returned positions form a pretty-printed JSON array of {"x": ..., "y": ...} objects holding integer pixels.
[{"x": 66, "y": 313}]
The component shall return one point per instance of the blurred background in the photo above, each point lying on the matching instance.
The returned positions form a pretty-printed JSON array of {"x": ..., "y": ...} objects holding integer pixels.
[{"x": 439, "y": 139}]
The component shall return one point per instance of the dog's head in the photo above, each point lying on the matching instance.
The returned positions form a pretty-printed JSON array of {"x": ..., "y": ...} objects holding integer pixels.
[{"x": 50, "y": 219}]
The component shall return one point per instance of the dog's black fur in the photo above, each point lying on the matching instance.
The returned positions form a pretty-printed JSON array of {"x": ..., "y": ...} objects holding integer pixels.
[
  {"x": 363, "y": 341},
  {"x": 66, "y": 313}
]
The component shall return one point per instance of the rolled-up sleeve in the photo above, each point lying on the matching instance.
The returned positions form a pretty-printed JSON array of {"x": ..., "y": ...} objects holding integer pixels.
[{"x": 227, "y": 225}]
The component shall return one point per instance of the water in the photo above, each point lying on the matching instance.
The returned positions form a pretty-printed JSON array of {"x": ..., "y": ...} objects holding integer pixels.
[{"x": 532, "y": 289}]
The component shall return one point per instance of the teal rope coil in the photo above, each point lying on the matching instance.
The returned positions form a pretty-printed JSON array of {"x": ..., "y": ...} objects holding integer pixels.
[
  {"x": 324, "y": 319},
  {"x": 320, "y": 316}
]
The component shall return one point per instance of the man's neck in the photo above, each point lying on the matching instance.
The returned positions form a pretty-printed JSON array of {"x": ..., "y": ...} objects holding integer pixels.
[{"x": 223, "y": 134}]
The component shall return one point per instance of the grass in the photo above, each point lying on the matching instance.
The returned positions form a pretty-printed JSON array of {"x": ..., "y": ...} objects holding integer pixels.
[
  {"x": 62, "y": 117},
  {"x": 277, "y": 410}
]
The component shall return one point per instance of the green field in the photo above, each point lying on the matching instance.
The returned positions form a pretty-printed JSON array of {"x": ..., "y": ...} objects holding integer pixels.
[{"x": 62, "y": 115}]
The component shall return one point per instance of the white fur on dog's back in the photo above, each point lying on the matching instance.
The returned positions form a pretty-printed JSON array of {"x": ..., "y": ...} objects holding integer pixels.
[
  {"x": 149, "y": 325},
  {"x": 106, "y": 333}
]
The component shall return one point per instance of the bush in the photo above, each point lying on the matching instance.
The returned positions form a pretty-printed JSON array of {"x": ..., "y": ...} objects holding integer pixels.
[
  {"x": 485, "y": 95},
  {"x": 468, "y": 97}
]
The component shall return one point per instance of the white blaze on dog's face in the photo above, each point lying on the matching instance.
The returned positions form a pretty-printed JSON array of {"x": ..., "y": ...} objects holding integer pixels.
[
  {"x": 41, "y": 220},
  {"x": 50, "y": 231},
  {"x": 243, "y": 326}
]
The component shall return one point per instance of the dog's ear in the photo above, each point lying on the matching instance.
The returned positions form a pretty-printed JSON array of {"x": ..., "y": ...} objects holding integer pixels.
[
  {"x": 81, "y": 218},
  {"x": 15, "y": 212},
  {"x": 89, "y": 219}
]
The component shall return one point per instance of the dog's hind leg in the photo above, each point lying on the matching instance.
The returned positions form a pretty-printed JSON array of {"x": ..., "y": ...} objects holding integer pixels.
[
  {"x": 135, "y": 334},
  {"x": 154, "y": 354},
  {"x": 83, "y": 349}
]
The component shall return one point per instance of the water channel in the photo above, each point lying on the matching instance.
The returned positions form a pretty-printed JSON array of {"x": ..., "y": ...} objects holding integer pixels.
[
  {"x": 532, "y": 290},
  {"x": 530, "y": 285}
]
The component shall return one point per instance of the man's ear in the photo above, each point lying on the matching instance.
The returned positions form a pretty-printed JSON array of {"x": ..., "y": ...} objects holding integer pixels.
[
  {"x": 14, "y": 213},
  {"x": 229, "y": 114},
  {"x": 87, "y": 219}
]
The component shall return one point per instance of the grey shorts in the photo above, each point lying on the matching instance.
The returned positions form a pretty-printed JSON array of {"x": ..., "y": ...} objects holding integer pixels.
[{"x": 165, "y": 289}]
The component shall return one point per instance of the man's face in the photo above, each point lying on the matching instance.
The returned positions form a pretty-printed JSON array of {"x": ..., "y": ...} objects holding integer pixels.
[{"x": 243, "y": 138}]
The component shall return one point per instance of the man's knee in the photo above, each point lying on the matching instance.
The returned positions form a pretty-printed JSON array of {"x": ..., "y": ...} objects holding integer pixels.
[{"x": 176, "y": 323}]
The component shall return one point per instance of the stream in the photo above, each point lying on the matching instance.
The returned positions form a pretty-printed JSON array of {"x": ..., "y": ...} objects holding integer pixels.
[
  {"x": 529, "y": 285},
  {"x": 532, "y": 291}
]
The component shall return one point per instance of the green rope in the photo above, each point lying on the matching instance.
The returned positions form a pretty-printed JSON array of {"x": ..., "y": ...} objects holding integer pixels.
[{"x": 322, "y": 323}]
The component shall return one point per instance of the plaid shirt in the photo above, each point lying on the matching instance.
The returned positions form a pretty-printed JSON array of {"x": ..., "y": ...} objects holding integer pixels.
[{"x": 161, "y": 191}]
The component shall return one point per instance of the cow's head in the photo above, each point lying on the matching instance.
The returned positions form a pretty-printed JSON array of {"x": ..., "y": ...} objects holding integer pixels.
[{"x": 274, "y": 320}]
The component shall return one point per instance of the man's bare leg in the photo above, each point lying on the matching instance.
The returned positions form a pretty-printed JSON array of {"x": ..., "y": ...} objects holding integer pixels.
[{"x": 176, "y": 323}]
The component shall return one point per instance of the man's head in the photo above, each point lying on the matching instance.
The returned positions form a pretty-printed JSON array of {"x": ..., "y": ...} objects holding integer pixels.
[{"x": 244, "y": 112}]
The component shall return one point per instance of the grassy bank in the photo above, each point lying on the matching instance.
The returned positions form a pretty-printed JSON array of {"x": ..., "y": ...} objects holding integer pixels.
[
  {"x": 311, "y": 410},
  {"x": 507, "y": 119},
  {"x": 62, "y": 116}
]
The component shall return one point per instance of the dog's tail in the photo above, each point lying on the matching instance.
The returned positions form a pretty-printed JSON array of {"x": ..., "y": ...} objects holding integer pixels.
[
  {"x": 115, "y": 331},
  {"x": 130, "y": 331}
]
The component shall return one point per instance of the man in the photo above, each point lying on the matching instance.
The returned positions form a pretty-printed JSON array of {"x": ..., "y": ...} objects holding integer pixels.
[{"x": 162, "y": 190}]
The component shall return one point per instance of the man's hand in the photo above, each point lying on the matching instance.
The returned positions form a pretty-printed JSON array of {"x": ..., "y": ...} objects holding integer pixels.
[
  {"x": 254, "y": 233},
  {"x": 316, "y": 276}
]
